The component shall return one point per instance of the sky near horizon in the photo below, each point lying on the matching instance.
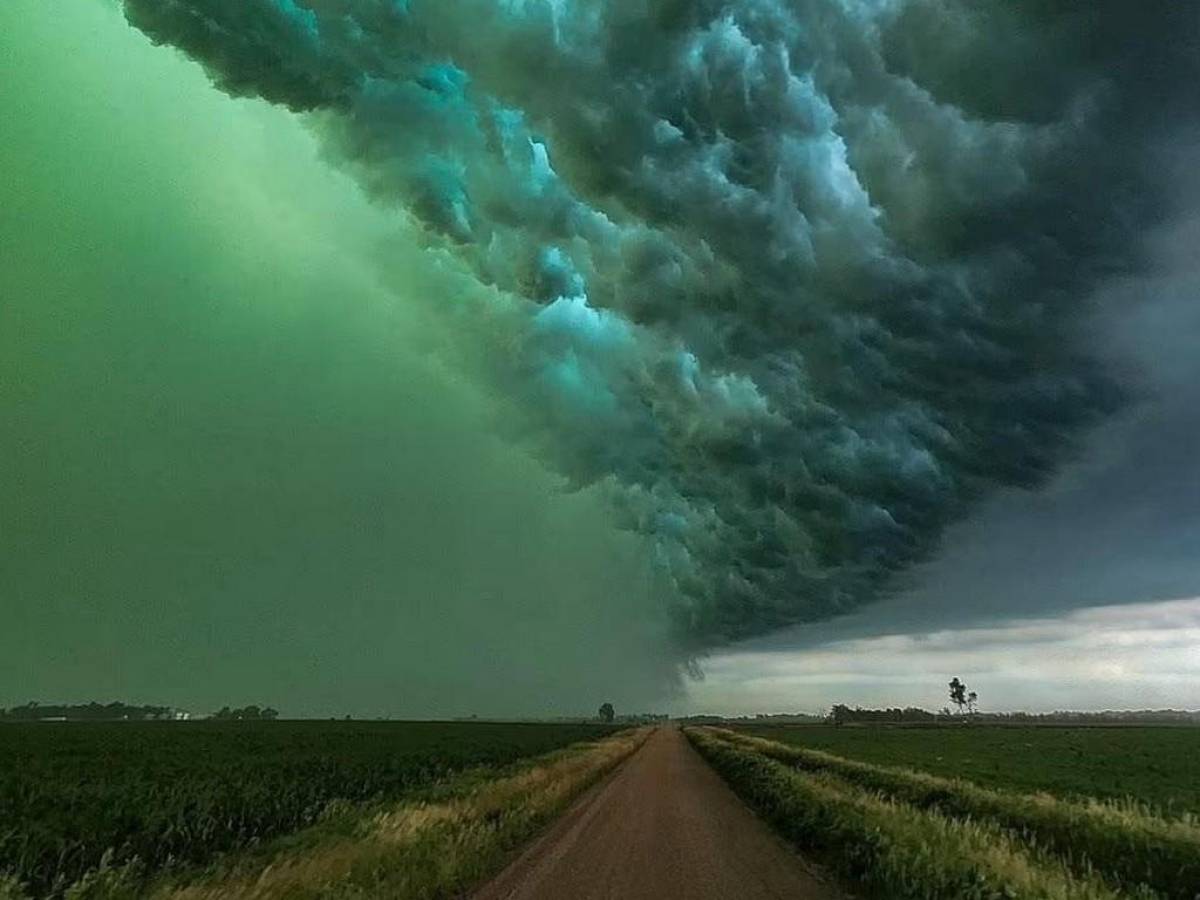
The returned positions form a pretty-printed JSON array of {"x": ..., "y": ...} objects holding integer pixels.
[{"x": 404, "y": 382}]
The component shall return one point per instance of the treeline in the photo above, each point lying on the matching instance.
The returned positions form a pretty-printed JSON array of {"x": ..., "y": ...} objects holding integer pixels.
[
  {"x": 642, "y": 718},
  {"x": 246, "y": 713},
  {"x": 125, "y": 712},
  {"x": 841, "y": 714},
  {"x": 1108, "y": 717},
  {"x": 86, "y": 712},
  {"x": 757, "y": 719}
]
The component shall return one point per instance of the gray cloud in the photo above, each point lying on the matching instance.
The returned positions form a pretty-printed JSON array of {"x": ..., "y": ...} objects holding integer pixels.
[
  {"x": 796, "y": 284},
  {"x": 1119, "y": 525}
]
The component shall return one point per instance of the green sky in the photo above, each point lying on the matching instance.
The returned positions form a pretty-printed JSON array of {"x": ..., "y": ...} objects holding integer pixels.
[
  {"x": 232, "y": 470},
  {"x": 801, "y": 320}
]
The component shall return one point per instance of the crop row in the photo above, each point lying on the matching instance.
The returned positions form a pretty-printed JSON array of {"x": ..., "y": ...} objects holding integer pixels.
[
  {"x": 1128, "y": 845},
  {"x": 1157, "y": 767},
  {"x": 170, "y": 795},
  {"x": 910, "y": 834},
  {"x": 440, "y": 845}
]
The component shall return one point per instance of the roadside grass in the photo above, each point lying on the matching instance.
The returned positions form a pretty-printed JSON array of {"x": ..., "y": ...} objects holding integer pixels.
[
  {"x": 76, "y": 797},
  {"x": 436, "y": 846},
  {"x": 1123, "y": 841},
  {"x": 895, "y": 849}
]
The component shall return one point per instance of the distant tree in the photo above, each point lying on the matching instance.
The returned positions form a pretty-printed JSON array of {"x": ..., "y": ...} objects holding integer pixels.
[
  {"x": 840, "y": 714},
  {"x": 607, "y": 713},
  {"x": 270, "y": 713},
  {"x": 972, "y": 698},
  {"x": 958, "y": 694},
  {"x": 85, "y": 712}
]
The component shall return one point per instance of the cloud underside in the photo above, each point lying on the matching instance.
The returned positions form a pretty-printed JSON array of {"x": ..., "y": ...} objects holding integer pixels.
[{"x": 794, "y": 284}]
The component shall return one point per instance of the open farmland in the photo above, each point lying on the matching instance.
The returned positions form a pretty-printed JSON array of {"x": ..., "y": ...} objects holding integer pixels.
[
  {"x": 897, "y": 832},
  {"x": 1157, "y": 766},
  {"x": 182, "y": 793}
]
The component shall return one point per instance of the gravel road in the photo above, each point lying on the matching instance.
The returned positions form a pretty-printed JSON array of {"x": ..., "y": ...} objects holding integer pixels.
[{"x": 663, "y": 826}]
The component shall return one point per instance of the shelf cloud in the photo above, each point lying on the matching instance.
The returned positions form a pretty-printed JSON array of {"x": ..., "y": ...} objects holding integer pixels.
[{"x": 796, "y": 284}]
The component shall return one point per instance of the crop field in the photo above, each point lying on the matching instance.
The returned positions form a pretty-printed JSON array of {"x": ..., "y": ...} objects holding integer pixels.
[
  {"x": 897, "y": 832},
  {"x": 1157, "y": 766},
  {"x": 72, "y": 795}
]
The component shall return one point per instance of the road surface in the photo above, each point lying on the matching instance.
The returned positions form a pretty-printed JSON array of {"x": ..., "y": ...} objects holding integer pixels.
[{"x": 664, "y": 826}]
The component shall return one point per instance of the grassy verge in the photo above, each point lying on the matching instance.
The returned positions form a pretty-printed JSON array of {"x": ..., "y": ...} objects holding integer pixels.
[
  {"x": 439, "y": 846},
  {"x": 176, "y": 796},
  {"x": 893, "y": 849},
  {"x": 1125, "y": 843}
]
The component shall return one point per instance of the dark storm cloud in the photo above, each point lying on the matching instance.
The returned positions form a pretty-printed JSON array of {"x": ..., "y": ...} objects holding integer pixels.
[{"x": 797, "y": 283}]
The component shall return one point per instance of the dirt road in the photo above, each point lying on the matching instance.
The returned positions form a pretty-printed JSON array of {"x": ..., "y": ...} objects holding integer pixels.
[{"x": 664, "y": 826}]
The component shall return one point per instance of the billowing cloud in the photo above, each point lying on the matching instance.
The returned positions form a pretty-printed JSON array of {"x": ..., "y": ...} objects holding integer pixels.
[
  {"x": 231, "y": 470},
  {"x": 796, "y": 284}
]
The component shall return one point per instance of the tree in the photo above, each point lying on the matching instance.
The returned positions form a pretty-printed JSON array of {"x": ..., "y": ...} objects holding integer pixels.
[
  {"x": 958, "y": 694},
  {"x": 270, "y": 713},
  {"x": 839, "y": 714},
  {"x": 971, "y": 700},
  {"x": 607, "y": 714}
]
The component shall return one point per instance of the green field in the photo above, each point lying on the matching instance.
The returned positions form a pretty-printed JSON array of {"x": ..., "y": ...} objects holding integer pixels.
[
  {"x": 184, "y": 792},
  {"x": 896, "y": 831},
  {"x": 1158, "y": 766}
]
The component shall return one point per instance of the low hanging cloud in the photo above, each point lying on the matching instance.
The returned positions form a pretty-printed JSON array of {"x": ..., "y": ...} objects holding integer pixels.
[{"x": 796, "y": 284}]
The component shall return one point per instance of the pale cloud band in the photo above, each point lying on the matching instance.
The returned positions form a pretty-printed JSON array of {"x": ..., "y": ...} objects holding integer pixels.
[{"x": 1124, "y": 656}]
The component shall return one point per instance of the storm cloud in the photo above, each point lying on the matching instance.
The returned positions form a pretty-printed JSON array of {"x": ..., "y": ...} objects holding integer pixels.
[
  {"x": 795, "y": 285},
  {"x": 231, "y": 470}
]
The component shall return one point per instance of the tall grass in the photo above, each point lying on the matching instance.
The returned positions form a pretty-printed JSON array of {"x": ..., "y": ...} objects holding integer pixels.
[
  {"x": 1128, "y": 845},
  {"x": 437, "y": 849},
  {"x": 76, "y": 799},
  {"x": 893, "y": 849}
]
